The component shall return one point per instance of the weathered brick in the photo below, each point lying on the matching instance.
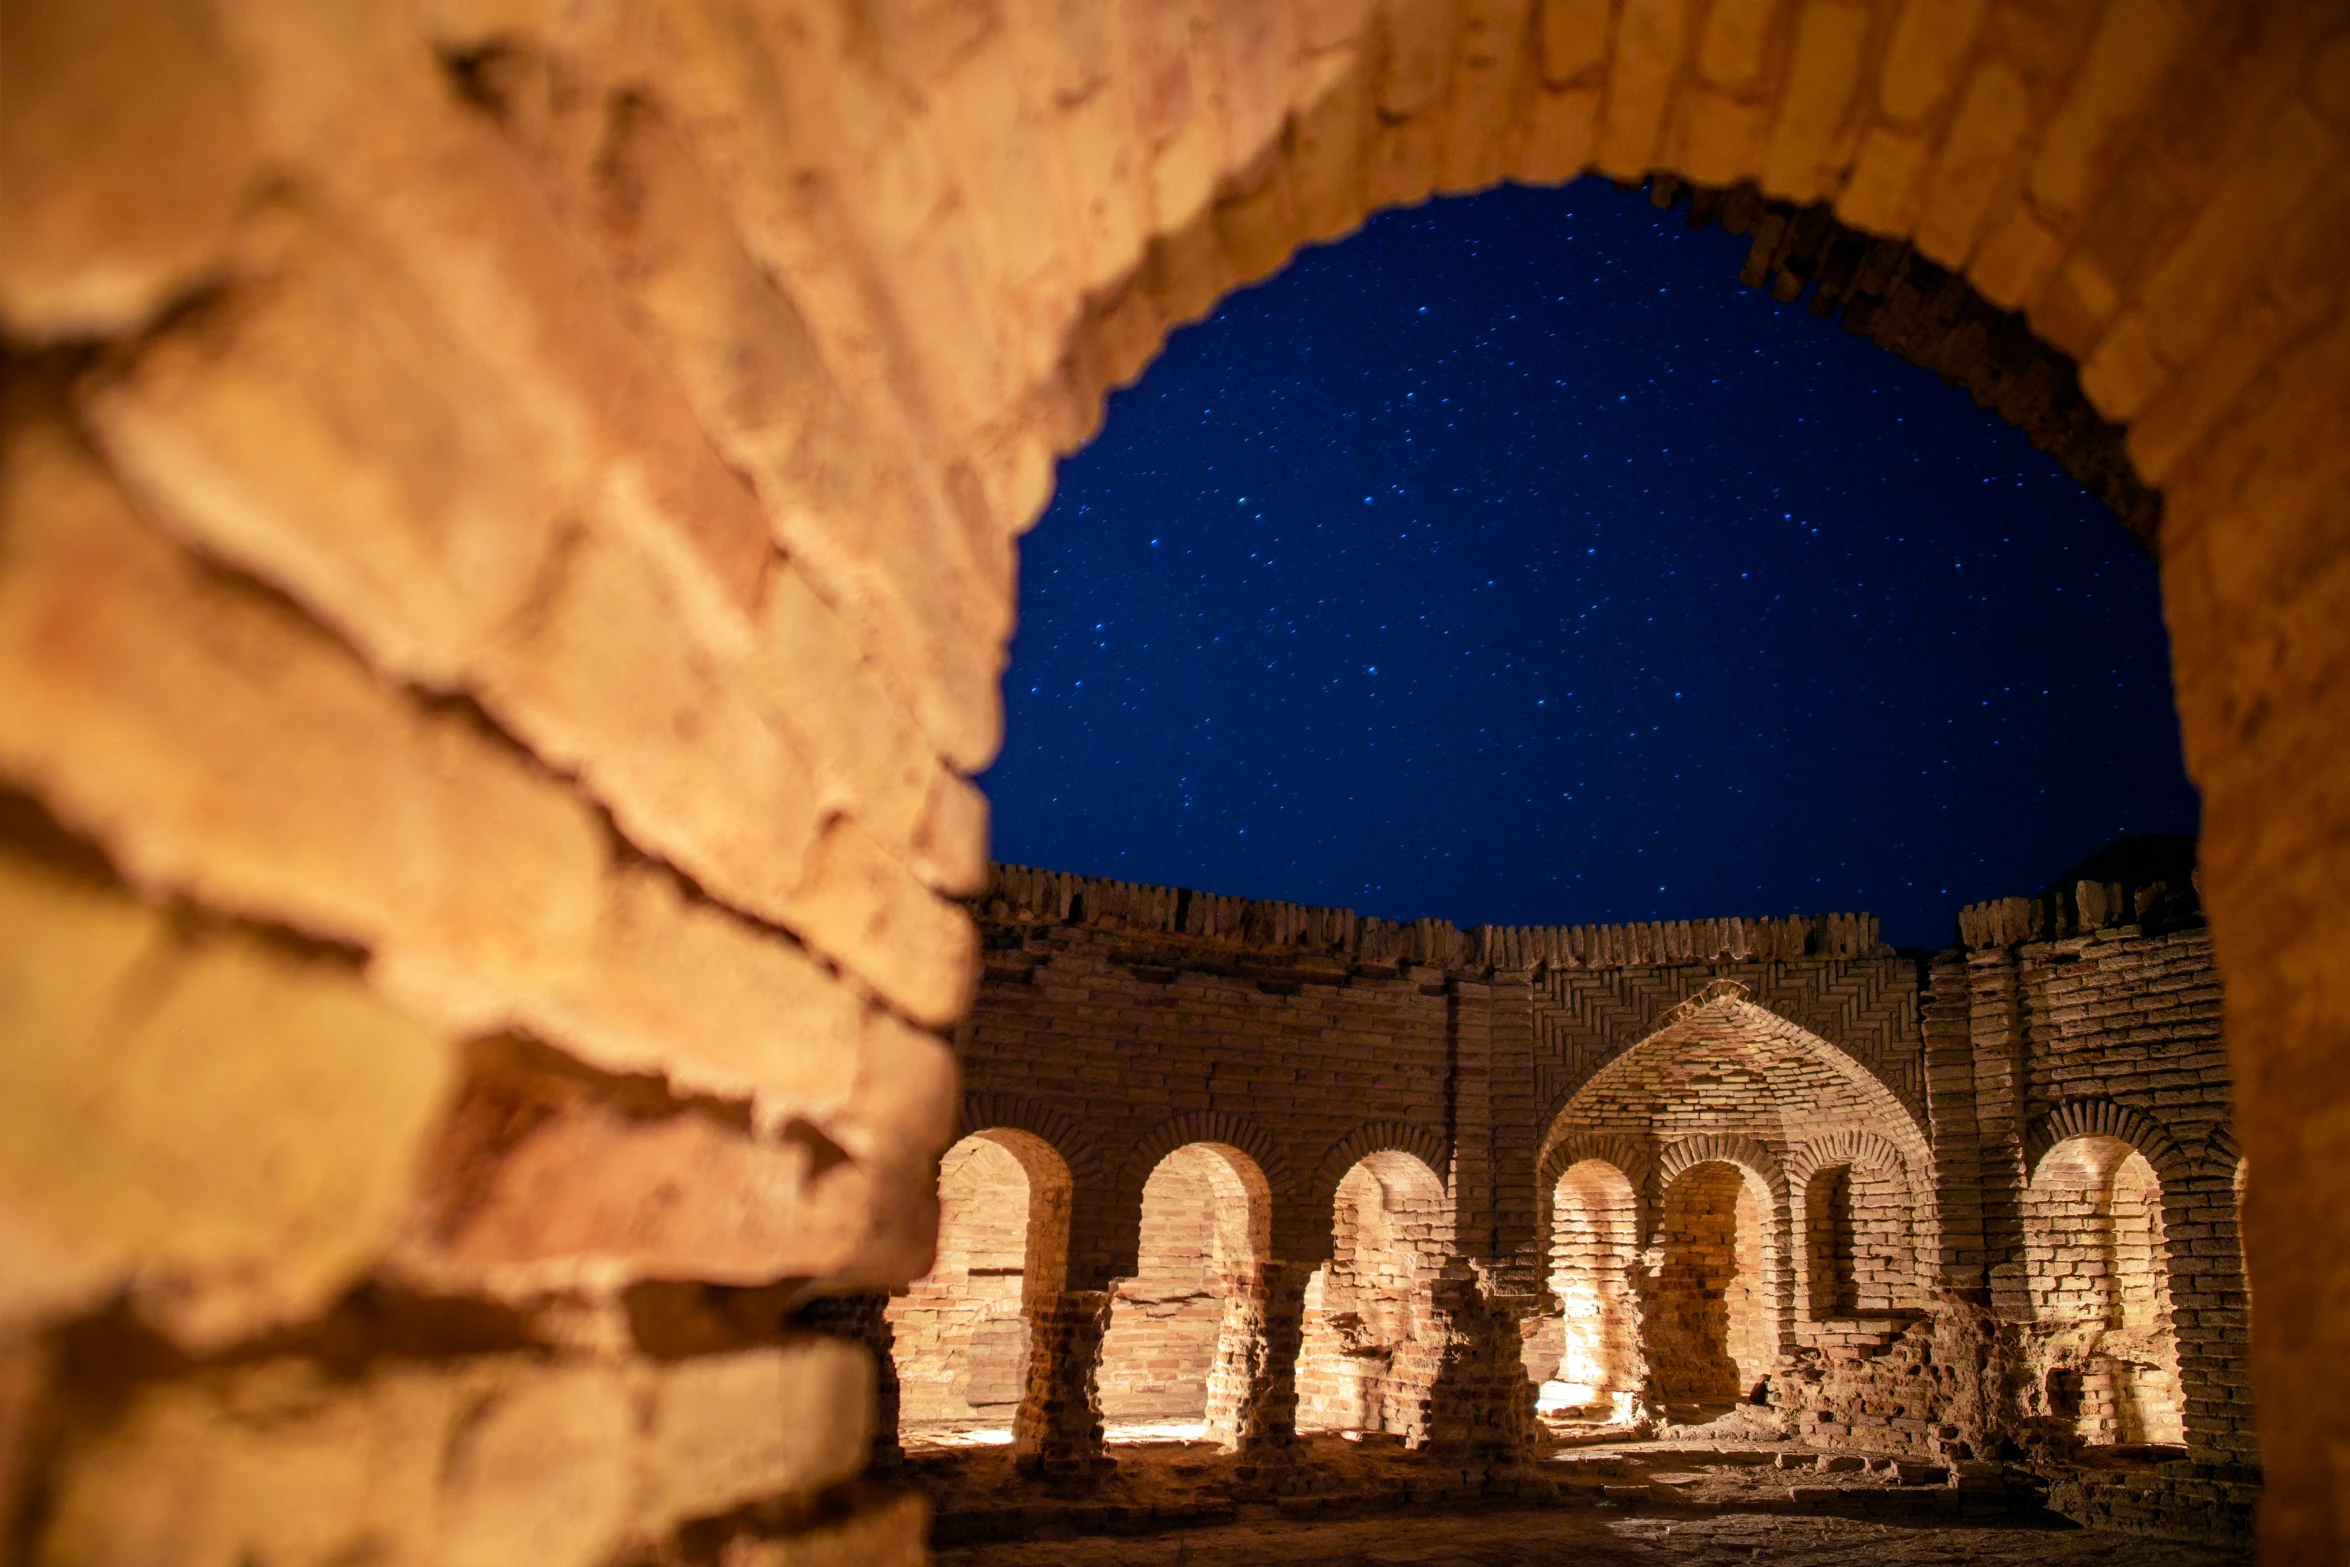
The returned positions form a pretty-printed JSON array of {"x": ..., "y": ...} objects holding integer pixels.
[
  {"x": 124, "y": 158},
  {"x": 226, "y": 1124}
]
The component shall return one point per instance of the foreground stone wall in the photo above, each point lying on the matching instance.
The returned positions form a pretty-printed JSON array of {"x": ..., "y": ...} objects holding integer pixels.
[{"x": 506, "y": 532}]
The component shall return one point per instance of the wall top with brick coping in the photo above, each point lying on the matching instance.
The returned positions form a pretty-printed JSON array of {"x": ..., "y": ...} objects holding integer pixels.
[
  {"x": 1025, "y": 895},
  {"x": 2079, "y": 910}
]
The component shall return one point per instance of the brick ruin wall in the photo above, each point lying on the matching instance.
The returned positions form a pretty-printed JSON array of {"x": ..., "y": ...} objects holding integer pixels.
[
  {"x": 507, "y": 528},
  {"x": 1967, "y": 1205}
]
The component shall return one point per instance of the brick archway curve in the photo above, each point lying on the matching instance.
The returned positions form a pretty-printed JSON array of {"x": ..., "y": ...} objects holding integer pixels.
[
  {"x": 1056, "y": 1128},
  {"x": 1120, "y": 1226},
  {"x": 1917, "y": 1158},
  {"x": 1761, "y": 1165},
  {"x": 2140, "y": 185},
  {"x": 1629, "y": 1157},
  {"x": 1862, "y": 1148},
  {"x": 2105, "y": 1118},
  {"x": 1090, "y": 1204},
  {"x": 1723, "y": 1148},
  {"x": 2221, "y": 1154},
  {"x": 2197, "y": 1189},
  {"x": 1311, "y": 1233}
]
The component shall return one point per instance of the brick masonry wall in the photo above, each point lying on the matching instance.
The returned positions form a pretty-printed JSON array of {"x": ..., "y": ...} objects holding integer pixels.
[{"x": 1739, "y": 1196}]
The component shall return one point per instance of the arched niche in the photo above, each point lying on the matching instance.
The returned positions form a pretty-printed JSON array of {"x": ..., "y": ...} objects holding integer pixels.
[
  {"x": 2097, "y": 1257},
  {"x": 1205, "y": 1225},
  {"x": 1857, "y": 1249},
  {"x": 1710, "y": 1328},
  {"x": 1365, "y": 1363},
  {"x": 1592, "y": 1368},
  {"x": 960, "y": 1334},
  {"x": 1825, "y": 1149}
]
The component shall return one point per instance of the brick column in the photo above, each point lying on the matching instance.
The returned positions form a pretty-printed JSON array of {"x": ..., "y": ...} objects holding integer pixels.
[
  {"x": 1057, "y": 1430},
  {"x": 1252, "y": 1391},
  {"x": 1517, "y": 1130},
  {"x": 1995, "y": 1012},
  {"x": 1953, "y": 1124},
  {"x": 1470, "y": 1023},
  {"x": 2210, "y": 1324},
  {"x": 1479, "y": 1397}
]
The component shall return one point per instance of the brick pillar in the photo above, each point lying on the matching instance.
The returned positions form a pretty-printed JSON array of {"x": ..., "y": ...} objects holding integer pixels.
[
  {"x": 863, "y": 1319},
  {"x": 1479, "y": 1397},
  {"x": 1517, "y": 1131},
  {"x": 1057, "y": 1430},
  {"x": 1470, "y": 1023},
  {"x": 1956, "y": 1131},
  {"x": 1995, "y": 1013},
  {"x": 2210, "y": 1324},
  {"x": 1252, "y": 1391}
]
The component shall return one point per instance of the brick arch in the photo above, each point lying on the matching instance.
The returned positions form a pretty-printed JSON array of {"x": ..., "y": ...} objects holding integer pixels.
[
  {"x": 1849, "y": 1146},
  {"x": 1766, "y": 1012},
  {"x": 1778, "y": 1234},
  {"x": 2106, "y": 1118},
  {"x": 2171, "y": 304},
  {"x": 1424, "y": 1143},
  {"x": 1093, "y": 1233},
  {"x": 1858, "y": 1148},
  {"x": 2221, "y": 1154},
  {"x": 1935, "y": 250},
  {"x": 1047, "y": 1122},
  {"x": 1627, "y": 1154},
  {"x": 1113, "y": 1230},
  {"x": 1307, "y": 1229},
  {"x": 1725, "y": 1148},
  {"x": 1898, "y": 1116},
  {"x": 1206, "y": 1126}
]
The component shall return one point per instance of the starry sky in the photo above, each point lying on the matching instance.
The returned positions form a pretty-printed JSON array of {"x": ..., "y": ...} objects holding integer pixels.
[{"x": 1509, "y": 562}]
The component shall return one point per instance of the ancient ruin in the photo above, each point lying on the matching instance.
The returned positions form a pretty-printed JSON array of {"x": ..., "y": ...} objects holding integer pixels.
[
  {"x": 1483, "y": 1191},
  {"x": 507, "y": 526}
]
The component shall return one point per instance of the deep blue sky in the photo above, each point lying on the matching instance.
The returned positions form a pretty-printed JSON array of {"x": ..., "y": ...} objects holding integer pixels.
[{"x": 1509, "y": 562}]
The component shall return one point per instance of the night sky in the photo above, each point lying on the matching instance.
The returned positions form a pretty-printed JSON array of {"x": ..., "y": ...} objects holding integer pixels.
[{"x": 1511, "y": 563}]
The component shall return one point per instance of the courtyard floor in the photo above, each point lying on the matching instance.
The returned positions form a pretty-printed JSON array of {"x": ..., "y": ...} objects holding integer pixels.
[
  {"x": 1552, "y": 1537},
  {"x": 1333, "y": 1502}
]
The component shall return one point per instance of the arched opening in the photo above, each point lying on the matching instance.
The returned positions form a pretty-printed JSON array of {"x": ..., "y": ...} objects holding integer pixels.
[
  {"x": 1596, "y": 1373},
  {"x": 1364, "y": 1364},
  {"x": 1708, "y": 1324},
  {"x": 2099, "y": 1267},
  {"x": 1206, "y": 1217},
  {"x": 1737, "y": 1265},
  {"x": 1507, "y": 577},
  {"x": 960, "y": 1333},
  {"x": 1860, "y": 1259}
]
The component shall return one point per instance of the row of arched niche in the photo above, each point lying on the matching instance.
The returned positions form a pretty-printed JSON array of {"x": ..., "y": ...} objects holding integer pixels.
[{"x": 1680, "y": 1263}]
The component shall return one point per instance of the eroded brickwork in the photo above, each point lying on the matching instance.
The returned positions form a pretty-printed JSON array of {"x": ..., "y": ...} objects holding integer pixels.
[{"x": 1731, "y": 1190}]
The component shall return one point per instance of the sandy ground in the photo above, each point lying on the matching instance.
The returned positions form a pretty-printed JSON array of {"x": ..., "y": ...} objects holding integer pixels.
[{"x": 1558, "y": 1538}]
